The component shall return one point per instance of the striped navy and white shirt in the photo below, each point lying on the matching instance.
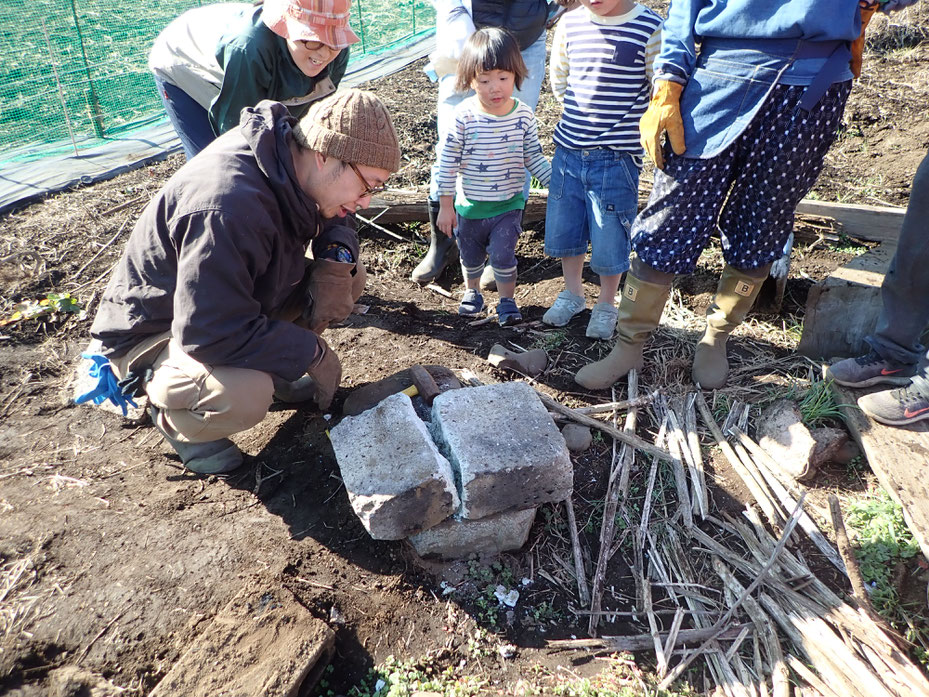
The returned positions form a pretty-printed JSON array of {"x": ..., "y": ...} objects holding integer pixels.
[
  {"x": 488, "y": 155},
  {"x": 600, "y": 69}
]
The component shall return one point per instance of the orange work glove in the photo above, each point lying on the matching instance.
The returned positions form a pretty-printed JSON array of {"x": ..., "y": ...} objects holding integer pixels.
[
  {"x": 663, "y": 116},
  {"x": 858, "y": 44}
]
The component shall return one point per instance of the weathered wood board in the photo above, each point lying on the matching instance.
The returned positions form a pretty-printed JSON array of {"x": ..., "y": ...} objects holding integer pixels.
[
  {"x": 899, "y": 457},
  {"x": 843, "y": 309},
  {"x": 262, "y": 643}
]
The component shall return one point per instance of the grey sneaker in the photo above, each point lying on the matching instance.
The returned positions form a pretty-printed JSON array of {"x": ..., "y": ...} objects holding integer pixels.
[
  {"x": 602, "y": 321},
  {"x": 301, "y": 390},
  {"x": 870, "y": 369},
  {"x": 566, "y": 305},
  {"x": 899, "y": 407},
  {"x": 214, "y": 457}
]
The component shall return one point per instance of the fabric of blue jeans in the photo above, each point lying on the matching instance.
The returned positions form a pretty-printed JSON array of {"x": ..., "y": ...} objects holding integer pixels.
[
  {"x": 592, "y": 198},
  {"x": 534, "y": 57},
  {"x": 690, "y": 22},
  {"x": 905, "y": 290},
  {"x": 489, "y": 238},
  {"x": 190, "y": 120},
  {"x": 730, "y": 84},
  {"x": 749, "y": 191}
]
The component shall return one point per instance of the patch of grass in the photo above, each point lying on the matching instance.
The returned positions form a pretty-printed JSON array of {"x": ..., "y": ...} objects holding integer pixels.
[
  {"x": 395, "y": 678},
  {"x": 818, "y": 404},
  {"x": 551, "y": 341},
  {"x": 883, "y": 544}
]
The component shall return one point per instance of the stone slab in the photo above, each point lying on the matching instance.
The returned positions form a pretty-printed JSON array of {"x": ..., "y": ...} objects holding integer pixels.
[
  {"x": 262, "y": 643},
  {"x": 458, "y": 539},
  {"x": 504, "y": 446},
  {"x": 397, "y": 480}
]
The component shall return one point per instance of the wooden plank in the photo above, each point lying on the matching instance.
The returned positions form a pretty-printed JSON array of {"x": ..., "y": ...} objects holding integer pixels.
[
  {"x": 262, "y": 643},
  {"x": 874, "y": 223},
  {"x": 843, "y": 309},
  {"x": 899, "y": 457}
]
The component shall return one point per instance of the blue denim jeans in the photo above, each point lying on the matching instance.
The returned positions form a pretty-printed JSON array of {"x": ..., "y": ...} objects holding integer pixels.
[
  {"x": 534, "y": 57},
  {"x": 190, "y": 120},
  {"x": 593, "y": 197},
  {"x": 905, "y": 290}
]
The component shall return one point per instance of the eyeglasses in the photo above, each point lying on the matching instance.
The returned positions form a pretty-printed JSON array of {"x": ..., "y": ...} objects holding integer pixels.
[
  {"x": 369, "y": 190},
  {"x": 316, "y": 46}
]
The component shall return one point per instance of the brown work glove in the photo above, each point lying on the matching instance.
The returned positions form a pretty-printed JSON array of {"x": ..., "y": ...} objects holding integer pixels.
[
  {"x": 858, "y": 44},
  {"x": 663, "y": 116},
  {"x": 331, "y": 292},
  {"x": 326, "y": 373}
]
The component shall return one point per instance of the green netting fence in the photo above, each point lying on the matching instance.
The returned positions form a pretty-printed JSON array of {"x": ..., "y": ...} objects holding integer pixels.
[{"x": 75, "y": 70}]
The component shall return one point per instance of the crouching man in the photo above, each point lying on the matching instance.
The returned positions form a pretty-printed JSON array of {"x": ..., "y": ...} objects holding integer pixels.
[{"x": 238, "y": 264}]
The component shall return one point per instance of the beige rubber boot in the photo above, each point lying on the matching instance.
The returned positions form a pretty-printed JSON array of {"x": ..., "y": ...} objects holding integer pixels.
[
  {"x": 734, "y": 297},
  {"x": 640, "y": 309}
]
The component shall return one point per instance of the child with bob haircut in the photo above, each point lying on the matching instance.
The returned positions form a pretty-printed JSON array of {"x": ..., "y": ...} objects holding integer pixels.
[
  {"x": 482, "y": 168},
  {"x": 600, "y": 67}
]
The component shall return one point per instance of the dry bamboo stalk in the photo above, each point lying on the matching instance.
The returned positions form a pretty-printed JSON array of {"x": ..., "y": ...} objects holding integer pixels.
[
  {"x": 611, "y": 407},
  {"x": 690, "y": 425},
  {"x": 779, "y": 678},
  {"x": 807, "y": 524},
  {"x": 675, "y": 438},
  {"x": 848, "y": 556},
  {"x": 614, "y": 493},
  {"x": 810, "y": 677},
  {"x": 760, "y": 494},
  {"x": 631, "y": 439},
  {"x": 583, "y": 594},
  {"x": 759, "y": 666},
  {"x": 788, "y": 528},
  {"x": 657, "y": 644},
  {"x": 675, "y": 629},
  {"x": 697, "y": 494},
  {"x": 746, "y": 459},
  {"x": 641, "y": 642}
]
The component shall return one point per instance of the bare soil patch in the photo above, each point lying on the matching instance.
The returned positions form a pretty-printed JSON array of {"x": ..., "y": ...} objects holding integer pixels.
[{"x": 113, "y": 558}]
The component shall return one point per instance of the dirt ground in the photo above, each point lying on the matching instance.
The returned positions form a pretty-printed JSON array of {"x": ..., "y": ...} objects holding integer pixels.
[{"x": 114, "y": 559}]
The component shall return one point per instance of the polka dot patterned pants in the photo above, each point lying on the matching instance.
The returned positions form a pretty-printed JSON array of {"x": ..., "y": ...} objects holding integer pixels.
[{"x": 749, "y": 191}]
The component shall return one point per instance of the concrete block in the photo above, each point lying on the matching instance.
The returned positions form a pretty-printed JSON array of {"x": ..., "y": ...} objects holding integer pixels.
[
  {"x": 503, "y": 446},
  {"x": 397, "y": 480},
  {"x": 457, "y": 539}
]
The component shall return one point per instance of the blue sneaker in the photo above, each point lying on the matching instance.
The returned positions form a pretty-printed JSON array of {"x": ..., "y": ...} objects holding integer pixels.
[
  {"x": 870, "y": 369},
  {"x": 508, "y": 313},
  {"x": 471, "y": 304}
]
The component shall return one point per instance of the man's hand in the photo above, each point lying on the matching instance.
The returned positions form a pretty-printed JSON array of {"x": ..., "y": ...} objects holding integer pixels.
[
  {"x": 663, "y": 116},
  {"x": 446, "y": 218},
  {"x": 326, "y": 372},
  {"x": 867, "y": 12},
  {"x": 330, "y": 296}
]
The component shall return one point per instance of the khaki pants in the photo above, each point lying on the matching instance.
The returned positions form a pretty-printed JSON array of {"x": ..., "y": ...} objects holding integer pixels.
[{"x": 199, "y": 403}]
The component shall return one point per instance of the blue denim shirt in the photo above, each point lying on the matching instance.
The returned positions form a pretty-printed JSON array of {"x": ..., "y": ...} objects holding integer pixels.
[{"x": 747, "y": 47}]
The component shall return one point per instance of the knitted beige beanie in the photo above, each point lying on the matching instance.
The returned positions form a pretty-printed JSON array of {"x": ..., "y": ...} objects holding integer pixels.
[{"x": 351, "y": 126}]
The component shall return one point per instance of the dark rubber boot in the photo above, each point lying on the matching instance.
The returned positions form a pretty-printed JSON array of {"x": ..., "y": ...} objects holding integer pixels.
[{"x": 442, "y": 251}]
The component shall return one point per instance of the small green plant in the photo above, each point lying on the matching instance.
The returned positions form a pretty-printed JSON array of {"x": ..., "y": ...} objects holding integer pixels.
[
  {"x": 396, "y": 678},
  {"x": 50, "y": 306},
  {"x": 882, "y": 544},
  {"x": 552, "y": 340},
  {"x": 818, "y": 404}
]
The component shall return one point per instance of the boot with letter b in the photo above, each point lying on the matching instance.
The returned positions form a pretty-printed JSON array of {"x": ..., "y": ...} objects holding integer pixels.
[
  {"x": 442, "y": 250},
  {"x": 734, "y": 297},
  {"x": 640, "y": 309}
]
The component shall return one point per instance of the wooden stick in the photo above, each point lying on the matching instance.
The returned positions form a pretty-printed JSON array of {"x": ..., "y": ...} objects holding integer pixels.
[
  {"x": 583, "y": 594},
  {"x": 439, "y": 289},
  {"x": 381, "y": 228},
  {"x": 676, "y": 444},
  {"x": 642, "y": 642},
  {"x": 613, "y": 493},
  {"x": 631, "y": 439},
  {"x": 848, "y": 556},
  {"x": 630, "y": 403}
]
